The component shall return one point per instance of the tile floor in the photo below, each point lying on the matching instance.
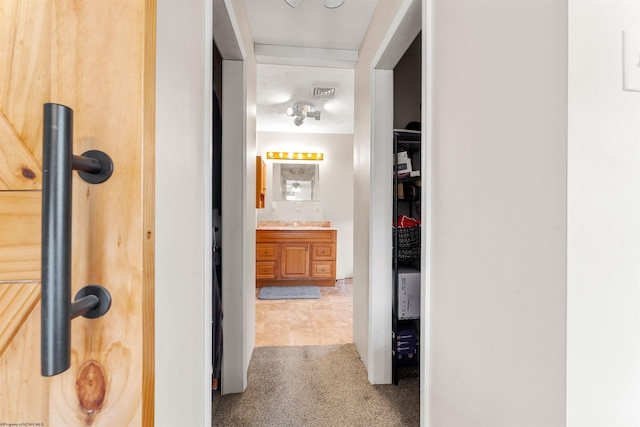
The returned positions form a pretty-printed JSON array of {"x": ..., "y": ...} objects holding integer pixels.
[{"x": 328, "y": 320}]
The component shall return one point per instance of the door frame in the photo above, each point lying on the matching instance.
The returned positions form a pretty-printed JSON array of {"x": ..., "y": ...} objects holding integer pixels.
[
  {"x": 238, "y": 196},
  {"x": 412, "y": 15},
  {"x": 183, "y": 241},
  {"x": 402, "y": 32}
]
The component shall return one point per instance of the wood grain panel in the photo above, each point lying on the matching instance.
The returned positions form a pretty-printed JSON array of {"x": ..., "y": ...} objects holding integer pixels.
[
  {"x": 100, "y": 72},
  {"x": 18, "y": 300},
  {"x": 20, "y": 238},
  {"x": 98, "y": 58},
  {"x": 24, "y": 384},
  {"x": 25, "y": 30},
  {"x": 25, "y": 68},
  {"x": 19, "y": 170},
  {"x": 148, "y": 215}
]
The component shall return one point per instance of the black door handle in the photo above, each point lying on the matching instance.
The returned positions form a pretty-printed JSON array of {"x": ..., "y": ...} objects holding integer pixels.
[{"x": 94, "y": 300}]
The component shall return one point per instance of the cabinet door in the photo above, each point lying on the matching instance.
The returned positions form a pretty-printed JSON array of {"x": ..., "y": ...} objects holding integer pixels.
[{"x": 295, "y": 261}]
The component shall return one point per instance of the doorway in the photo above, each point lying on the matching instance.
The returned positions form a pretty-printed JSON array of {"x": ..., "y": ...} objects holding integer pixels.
[
  {"x": 216, "y": 250},
  {"x": 243, "y": 309}
]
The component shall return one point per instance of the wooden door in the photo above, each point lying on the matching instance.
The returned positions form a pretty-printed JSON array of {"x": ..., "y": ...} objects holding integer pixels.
[
  {"x": 261, "y": 182},
  {"x": 295, "y": 261},
  {"x": 96, "y": 57}
]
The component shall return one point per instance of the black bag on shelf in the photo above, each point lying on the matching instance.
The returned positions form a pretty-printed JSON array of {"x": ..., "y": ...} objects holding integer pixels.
[{"x": 408, "y": 243}]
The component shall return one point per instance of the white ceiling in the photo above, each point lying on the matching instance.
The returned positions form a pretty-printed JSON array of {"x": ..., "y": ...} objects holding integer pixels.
[
  {"x": 282, "y": 85},
  {"x": 310, "y": 24},
  {"x": 300, "y": 48}
]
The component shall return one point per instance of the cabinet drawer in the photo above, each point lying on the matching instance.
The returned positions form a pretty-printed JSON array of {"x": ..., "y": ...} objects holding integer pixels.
[
  {"x": 295, "y": 235},
  {"x": 324, "y": 252},
  {"x": 266, "y": 251},
  {"x": 323, "y": 269},
  {"x": 265, "y": 270}
]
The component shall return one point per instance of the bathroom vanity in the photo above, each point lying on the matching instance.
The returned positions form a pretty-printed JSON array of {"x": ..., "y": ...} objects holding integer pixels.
[{"x": 295, "y": 253}]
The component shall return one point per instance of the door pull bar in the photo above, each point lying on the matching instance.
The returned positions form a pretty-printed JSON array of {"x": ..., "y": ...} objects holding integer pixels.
[{"x": 92, "y": 301}]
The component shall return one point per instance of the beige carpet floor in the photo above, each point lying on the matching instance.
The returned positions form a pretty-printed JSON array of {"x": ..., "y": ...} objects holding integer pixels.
[{"x": 317, "y": 386}]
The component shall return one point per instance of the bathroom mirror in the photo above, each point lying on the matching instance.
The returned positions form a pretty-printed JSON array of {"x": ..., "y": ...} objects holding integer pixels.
[{"x": 295, "y": 181}]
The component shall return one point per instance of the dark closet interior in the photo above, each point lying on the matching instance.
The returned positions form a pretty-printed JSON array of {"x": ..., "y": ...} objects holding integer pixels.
[
  {"x": 407, "y": 189},
  {"x": 216, "y": 275}
]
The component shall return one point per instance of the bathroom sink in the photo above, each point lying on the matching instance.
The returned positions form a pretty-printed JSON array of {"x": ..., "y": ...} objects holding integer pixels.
[{"x": 288, "y": 225}]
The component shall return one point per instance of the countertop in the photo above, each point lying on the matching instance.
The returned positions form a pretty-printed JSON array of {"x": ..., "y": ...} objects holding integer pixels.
[{"x": 295, "y": 225}]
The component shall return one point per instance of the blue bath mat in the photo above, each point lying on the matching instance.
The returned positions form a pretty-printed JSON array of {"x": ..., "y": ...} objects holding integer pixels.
[{"x": 289, "y": 292}]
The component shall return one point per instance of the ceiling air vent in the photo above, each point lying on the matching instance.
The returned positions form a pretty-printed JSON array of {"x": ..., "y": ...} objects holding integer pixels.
[{"x": 324, "y": 92}]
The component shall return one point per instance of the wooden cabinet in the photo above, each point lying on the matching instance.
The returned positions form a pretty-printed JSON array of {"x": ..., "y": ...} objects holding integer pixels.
[
  {"x": 296, "y": 256},
  {"x": 261, "y": 182}
]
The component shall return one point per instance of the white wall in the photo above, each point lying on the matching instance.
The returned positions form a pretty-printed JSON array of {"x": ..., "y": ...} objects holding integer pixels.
[
  {"x": 183, "y": 220},
  {"x": 498, "y": 213},
  {"x": 603, "y": 326},
  {"x": 498, "y": 206},
  {"x": 336, "y": 193}
]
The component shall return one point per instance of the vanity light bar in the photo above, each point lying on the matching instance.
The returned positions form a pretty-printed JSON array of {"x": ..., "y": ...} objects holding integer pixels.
[{"x": 283, "y": 155}]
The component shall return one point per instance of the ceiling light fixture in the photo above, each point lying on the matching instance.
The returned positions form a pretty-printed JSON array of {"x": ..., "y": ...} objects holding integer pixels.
[
  {"x": 284, "y": 155},
  {"x": 332, "y": 4},
  {"x": 300, "y": 112},
  {"x": 329, "y": 4}
]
